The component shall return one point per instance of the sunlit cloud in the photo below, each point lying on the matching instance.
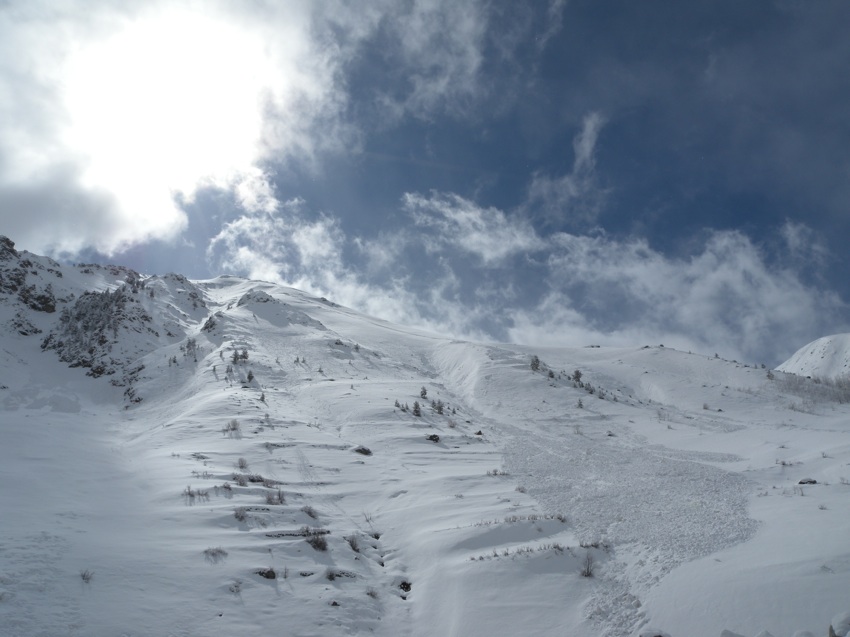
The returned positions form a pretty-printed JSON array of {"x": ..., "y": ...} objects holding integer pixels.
[
  {"x": 487, "y": 233},
  {"x": 145, "y": 107}
]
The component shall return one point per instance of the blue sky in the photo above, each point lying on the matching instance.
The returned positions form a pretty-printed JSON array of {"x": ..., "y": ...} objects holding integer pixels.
[{"x": 551, "y": 173}]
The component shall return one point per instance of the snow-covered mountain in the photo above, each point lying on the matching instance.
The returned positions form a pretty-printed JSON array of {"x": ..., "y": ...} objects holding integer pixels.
[
  {"x": 231, "y": 457},
  {"x": 827, "y": 357}
]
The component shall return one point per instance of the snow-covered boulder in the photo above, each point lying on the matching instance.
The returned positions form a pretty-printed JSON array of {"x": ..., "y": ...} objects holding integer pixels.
[{"x": 840, "y": 625}]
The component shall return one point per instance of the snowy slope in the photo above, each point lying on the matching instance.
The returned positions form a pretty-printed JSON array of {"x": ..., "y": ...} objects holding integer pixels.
[
  {"x": 240, "y": 428},
  {"x": 827, "y": 357}
]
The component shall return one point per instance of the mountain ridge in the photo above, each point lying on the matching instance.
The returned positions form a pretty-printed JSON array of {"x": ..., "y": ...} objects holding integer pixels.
[{"x": 210, "y": 434}]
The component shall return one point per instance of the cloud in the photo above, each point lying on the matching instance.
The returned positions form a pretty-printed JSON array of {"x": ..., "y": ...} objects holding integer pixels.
[
  {"x": 437, "y": 47},
  {"x": 803, "y": 245},
  {"x": 576, "y": 197},
  {"x": 726, "y": 297},
  {"x": 554, "y": 22},
  {"x": 129, "y": 110},
  {"x": 487, "y": 233},
  {"x": 286, "y": 246}
]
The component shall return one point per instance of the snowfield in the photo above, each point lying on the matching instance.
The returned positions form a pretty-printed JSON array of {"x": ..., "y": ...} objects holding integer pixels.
[{"x": 230, "y": 457}]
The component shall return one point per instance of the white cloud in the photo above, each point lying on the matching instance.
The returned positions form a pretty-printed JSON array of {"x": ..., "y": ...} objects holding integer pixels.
[
  {"x": 725, "y": 298},
  {"x": 286, "y": 247},
  {"x": 802, "y": 244},
  {"x": 442, "y": 46},
  {"x": 487, "y": 233},
  {"x": 576, "y": 196},
  {"x": 571, "y": 290},
  {"x": 128, "y": 110}
]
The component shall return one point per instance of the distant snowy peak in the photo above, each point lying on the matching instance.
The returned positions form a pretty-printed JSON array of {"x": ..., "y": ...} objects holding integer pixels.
[{"x": 827, "y": 357}]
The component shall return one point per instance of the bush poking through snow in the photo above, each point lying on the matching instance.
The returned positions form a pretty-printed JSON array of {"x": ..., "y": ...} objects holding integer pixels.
[
  {"x": 86, "y": 575},
  {"x": 310, "y": 511},
  {"x": 242, "y": 464},
  {"x": 268, "y": 573},
  {"x": 214, "y": 555},
  {"x": 364, "y": 451},
  {"x": 232, "y": 429},
  {"x": 535, "y": 363},
  {"x": 240, "y": 513},
  {"x": 587, "y": 566},
  {"x": 333, "y": 574},
  {"x": 317, "y": 541},
  {"x": 275, "y": 497},
  {"x": 353, "y": 543}
]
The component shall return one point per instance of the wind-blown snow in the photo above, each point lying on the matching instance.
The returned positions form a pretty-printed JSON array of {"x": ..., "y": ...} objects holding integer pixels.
[{"x": 184, "y": 470}]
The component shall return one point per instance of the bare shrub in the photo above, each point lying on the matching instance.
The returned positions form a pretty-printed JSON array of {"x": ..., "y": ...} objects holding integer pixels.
[
  {"x": 275, "y": 497},
  {"x": 317, "y": 541},
  {"x": 587, "y": 566},
  {"x": 214, "y": 555},
  {"x": 817, "y": 389},
  {"x": 242, "y": 464},
  {"x": 190, "y": 494},
  {"x": 240, "y": 513},
  {"x": 353, "y": 543},
  {"x": 86, "y": 575},
  {"x": 240, "y": 480},
  {"x": 232, "y": 429},
  {"x": 310, "y": 511}
]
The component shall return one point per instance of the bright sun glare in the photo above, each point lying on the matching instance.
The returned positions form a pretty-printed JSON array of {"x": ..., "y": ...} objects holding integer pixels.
[{"x": 167, "y": 103}]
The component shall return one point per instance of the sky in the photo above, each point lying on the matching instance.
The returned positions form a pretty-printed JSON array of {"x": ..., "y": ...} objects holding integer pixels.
[{"x": 569, "y": 173}]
